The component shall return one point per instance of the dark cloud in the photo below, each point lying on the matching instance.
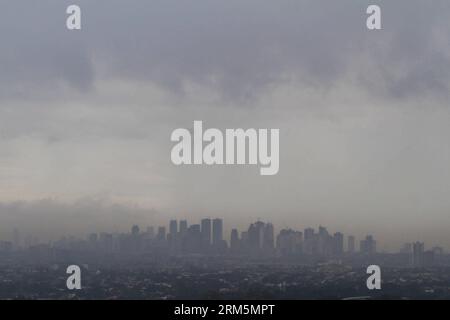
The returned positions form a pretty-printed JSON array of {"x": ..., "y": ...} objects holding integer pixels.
[{"x": 237, "y": 47}]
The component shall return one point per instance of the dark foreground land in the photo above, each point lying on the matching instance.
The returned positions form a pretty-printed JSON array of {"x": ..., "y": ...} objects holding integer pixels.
[{"x": 217, "y": 279}]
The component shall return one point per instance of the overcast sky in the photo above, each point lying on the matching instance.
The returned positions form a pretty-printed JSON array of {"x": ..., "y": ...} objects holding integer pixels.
[{"x": 364, "y": 118}]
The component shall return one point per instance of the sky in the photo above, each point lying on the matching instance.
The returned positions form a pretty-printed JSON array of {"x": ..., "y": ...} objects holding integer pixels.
[{"x": 86, "y": 116}]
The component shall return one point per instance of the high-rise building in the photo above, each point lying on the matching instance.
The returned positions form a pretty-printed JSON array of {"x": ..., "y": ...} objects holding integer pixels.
[
  {"x": 324, "y": 242},
  {"x": 234, "y": 241},
  {"x": 173, "y": 228},
  {"x": 338, "y": 244},
  {"x": 93, "y": 237},
  {"x": 310, "y": 241},
  {"x": 194, "y": 239},
  {"x": 172, "y": 237},
  {"x": 206, "y": 233},
  {"x": 135, "y": 239},
  {"x": 351, "y": 244},
  {"x": 161, "y": 236},
  {"x": 183, "y": 227},
  {"x": 368, "y": 245},
  {"x": 256, "y": 236},
  {"x": 289, "y": 242},
  {"x": 150, "y": 234},
  {"x": 252, "y": 238},
  {"x": 184, "y": 246},
  {"x": 308, "y": 233},
  {"x": 417, "y": 254},
  {"x": 135, "y": 230},
  {"x": 217, "y": 232},
  {"x": 268, "y": 238}
]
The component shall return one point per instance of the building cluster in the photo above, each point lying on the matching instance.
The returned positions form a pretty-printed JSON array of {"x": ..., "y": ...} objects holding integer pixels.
[
  {"x": 179, "y": 238},
  {"x": 207, "y": 237},
  {"x": 419, "y": 257},
  {"x": 259, "y": 240}
]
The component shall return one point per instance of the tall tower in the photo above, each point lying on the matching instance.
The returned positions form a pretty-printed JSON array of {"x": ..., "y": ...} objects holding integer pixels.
[
  {"x": 206, "y": 233},
  {"x": 234, "y": 241},
  {"x": 173, "y": 228},
  {"x": 368, "y": 245},
  {"x": 338, "y": 243},
  {"x": 135, "y": 230},
  {"x": 268, "y": 238},
  {"x": 309, "y": 246},
  {"x": 183, "y": 227},
  {"x": 351, "y": 244},
  {"x": 417, "y": 254},
  {"x": 217, "y": 232}
]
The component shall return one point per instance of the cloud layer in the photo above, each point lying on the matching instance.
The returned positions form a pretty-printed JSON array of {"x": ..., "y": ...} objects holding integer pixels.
[
  {"x": 363, "y": 115},
  {"x": 236, "y": 47}
]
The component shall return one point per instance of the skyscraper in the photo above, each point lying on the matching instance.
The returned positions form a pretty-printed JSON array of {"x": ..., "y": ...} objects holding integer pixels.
[
  {"x": 183, "y": 227},
  {"x": 172, "y": 237},
  {"x": 324, "y": 242},
  {"x": 418, "y": 254},
  {"x": 135, "y": 230},
  {"x": 289, "y": 242},
  {"x": 268, "y": 238},
  {"x": 161, "y": 236},
  {"x": 368, "y": 245},
  {"x": 206, "y": 233},
  {"x": 338, "y": 243},
  {"x": 256, "y": 236},
  {"x": 135, "y": 240},
  {"x": 310, "y": 239},
  {"x": 217, "y": 232},
  {"x": 150, "y": 234},
  {"x": 351, "y": 244},
  {"x": 173, "y": 228},
  {"x": 194, "y": 238},
  {"x": 234, "y": 241}
]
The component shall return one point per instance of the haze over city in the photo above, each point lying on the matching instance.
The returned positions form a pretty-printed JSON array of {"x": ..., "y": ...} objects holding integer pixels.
[{"x": 86, "y": 117}]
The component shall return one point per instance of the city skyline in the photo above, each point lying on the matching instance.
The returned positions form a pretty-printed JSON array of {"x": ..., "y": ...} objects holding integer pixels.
[
  {"x": 363, "y": 115},
  {"x": 161, "y": 262},
  {"x": 209, "y": 238}
]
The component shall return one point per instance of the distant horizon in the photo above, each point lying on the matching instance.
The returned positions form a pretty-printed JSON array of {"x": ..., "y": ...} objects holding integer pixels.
[{"x": 143, "y": 221}]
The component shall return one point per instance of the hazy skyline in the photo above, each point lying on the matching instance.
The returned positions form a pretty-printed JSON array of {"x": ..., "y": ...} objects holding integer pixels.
[{"x": 86, "y": 116}]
